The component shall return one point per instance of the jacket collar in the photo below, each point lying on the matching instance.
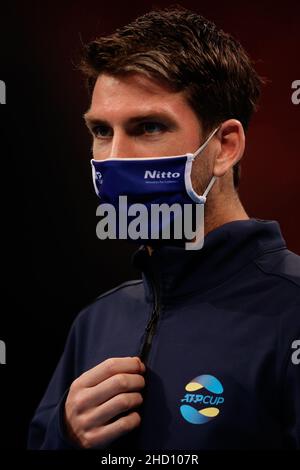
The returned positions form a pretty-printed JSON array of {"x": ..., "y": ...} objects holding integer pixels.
[{"x": 178, "y": 272}]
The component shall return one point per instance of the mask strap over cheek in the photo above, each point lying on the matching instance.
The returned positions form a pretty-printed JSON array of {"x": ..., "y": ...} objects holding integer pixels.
[
  {"x": 191, "y": 157},
  {"x": 209, "y": 187},
  {"x": 202, "y": 147},
  {"x": 213, "y": 179}
]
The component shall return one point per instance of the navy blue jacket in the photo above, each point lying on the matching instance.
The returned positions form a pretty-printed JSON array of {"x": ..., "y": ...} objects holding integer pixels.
[{"x": 217, "y": 329}]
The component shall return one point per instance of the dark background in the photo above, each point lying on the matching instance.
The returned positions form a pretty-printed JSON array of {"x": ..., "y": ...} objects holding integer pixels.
[{"x": 52, "y": 263}]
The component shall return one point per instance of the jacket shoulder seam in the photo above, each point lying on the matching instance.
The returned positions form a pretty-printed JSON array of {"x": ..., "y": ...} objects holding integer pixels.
[
  {"x": 272, "y": 273},
  {"x": 119, "y": 287},
  {"x": 86, "y": 309}
]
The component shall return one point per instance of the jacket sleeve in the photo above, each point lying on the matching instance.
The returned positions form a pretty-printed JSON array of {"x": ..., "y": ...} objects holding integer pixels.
[{"x": 46, "y": 430}]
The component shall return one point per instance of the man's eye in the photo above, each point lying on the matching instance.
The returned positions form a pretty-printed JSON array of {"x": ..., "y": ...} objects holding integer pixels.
[
  {"x": 152, "y": 127},
  {"x": 102, "y": 132}
]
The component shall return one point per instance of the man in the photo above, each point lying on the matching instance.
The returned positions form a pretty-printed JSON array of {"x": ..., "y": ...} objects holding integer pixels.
[{"x": 198, "y": 354}]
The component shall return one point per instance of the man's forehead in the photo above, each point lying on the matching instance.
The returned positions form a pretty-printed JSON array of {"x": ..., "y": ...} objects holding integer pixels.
[
  {"x": 131, "y": 82},
  {"x": 134, "y": 96}
]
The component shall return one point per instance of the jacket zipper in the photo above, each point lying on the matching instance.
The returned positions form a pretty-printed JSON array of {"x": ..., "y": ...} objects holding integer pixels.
[{"x": 151, "y": 326}]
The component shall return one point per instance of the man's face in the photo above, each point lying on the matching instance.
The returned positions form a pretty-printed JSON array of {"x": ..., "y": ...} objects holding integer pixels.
[{"x": 134, "y": 116}]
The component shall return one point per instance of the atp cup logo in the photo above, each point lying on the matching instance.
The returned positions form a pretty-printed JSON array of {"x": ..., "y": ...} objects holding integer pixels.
[{"x": 210, "y": 399}]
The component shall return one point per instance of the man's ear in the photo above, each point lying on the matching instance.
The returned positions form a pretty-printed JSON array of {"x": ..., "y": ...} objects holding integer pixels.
[{"x": 231, "y": 138}]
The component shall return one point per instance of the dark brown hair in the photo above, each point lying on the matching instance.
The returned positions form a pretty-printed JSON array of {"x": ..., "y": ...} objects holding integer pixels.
[{"x": 190, "y": 54}]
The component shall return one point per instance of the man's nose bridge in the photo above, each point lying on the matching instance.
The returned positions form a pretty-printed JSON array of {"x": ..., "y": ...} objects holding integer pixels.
[{"x": 121, "y": 145}]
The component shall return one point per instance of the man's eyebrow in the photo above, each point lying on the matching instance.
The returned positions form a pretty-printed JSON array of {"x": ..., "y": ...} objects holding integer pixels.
[{"x": 91, "y": 119}]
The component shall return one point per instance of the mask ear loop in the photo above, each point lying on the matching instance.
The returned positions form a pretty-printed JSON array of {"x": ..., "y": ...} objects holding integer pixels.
[
  {"x": 202, "y": 147},
  {"x": 197, "y": 244},
  {"x": 213, "y": 179}
]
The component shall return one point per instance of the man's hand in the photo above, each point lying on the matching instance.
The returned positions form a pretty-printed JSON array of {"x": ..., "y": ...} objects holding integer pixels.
[{"x": 98, "y": 396}]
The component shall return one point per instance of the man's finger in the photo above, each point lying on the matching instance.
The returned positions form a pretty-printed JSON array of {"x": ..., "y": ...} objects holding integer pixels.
[{"x": 110, "y": 367}]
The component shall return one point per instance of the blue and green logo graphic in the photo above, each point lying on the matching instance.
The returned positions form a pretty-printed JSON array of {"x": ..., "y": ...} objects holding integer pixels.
[{"x": 211, "y": 394}]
